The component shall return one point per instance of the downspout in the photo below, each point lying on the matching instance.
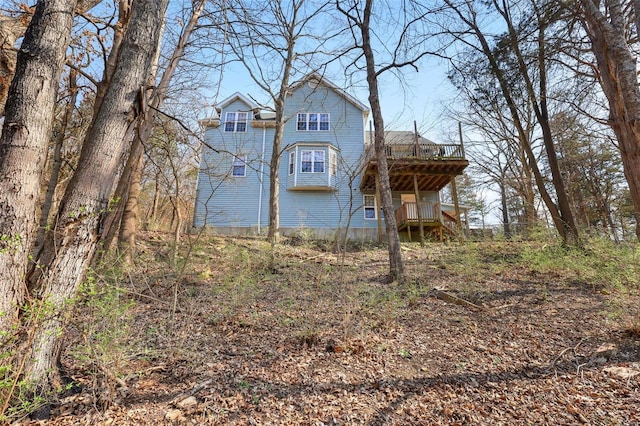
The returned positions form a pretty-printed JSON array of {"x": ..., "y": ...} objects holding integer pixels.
[{"x": 264, "y": 138}]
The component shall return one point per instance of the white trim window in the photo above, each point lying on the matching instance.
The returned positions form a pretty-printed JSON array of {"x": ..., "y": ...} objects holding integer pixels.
[
  {"x": 292, "y": 162},
  {"x": 370, "y": 207},
  {"x": 239, "y": 168},
  {"x": 236, "y": 121},
  {"x": 312, "y": 161},
  {"x": 333, "y": 163},
  {"x": 313, "y": 121}
]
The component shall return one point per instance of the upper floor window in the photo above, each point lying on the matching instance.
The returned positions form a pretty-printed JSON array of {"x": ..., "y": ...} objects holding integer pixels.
[
  {"x": 313, "y": 121},
  {"x": 236, "y": 122},
  {"x": 239, "y": 166},
  {"x": 312, "y": 161}
]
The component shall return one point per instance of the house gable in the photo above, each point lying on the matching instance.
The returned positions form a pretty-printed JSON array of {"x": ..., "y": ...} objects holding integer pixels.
[{"x": 315, "y": 79}]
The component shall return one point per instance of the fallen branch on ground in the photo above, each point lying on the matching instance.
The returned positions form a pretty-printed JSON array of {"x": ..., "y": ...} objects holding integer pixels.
[{"x": 450, "y": 298}]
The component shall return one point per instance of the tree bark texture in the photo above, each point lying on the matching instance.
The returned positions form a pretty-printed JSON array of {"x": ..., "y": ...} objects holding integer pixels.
[
  {"x": 114, "y": 217},
  {"x": 69, "y": 250},
  {"x": 11, "y": 28},
  {"x": 396, "y": 266},
  {"x": 132, "y": 174},
  {"x": 273, "y": 233},
  {"x": 619, "y": 81},
  {"x": 129, "y": 225},
  {"x": 23, "y": 144}
]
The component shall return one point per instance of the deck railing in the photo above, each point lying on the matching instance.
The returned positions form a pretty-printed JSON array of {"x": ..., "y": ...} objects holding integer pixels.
[
  {"x": 408, "y": 213},
  {"x": 423, "y": 151},
  {"x": 449, "y": 221}
]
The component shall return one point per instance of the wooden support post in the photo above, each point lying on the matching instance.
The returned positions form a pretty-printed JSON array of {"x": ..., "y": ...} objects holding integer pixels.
[
  {"x": 454, "y": 194},
  {"x": 415, "y": 138},
  {"x": 461, "y": 142},
  {"x": 420, "y": 224},
  {"x": 454, "y": 190},
  {"x": 378, "y": 208}
]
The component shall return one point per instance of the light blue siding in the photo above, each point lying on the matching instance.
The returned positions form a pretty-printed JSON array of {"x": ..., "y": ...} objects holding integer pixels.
[
  {"x": 328, "y": 200},
  {"x": 329, "y": 210},
  {"x": 224, "y": 200}
]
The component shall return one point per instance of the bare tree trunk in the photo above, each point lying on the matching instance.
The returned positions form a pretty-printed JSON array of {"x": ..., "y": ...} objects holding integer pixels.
[
  {"x": 23, "y": 144},
  {"x": 124, "y": 13},
  {"x": 503, "y": 203},
  {"x": 114, "y": 217},
  {"x": 279, "y": 103},
  {"x": 129, "y": 225},
  {"x": 565, "y": 218},
  {"x": 396, "y": 266},
  {"x": 274, "y": 175},
  {"x": 125, "y": 216},
  {"x": 619, "y": 81},
  {"x": 11, "y": 28},
  {"x": 273, "y": 234},
  {"x": 513, "y": 109},
  {"x": 68, "y": 252},
  {"x": 57, "y": 162},
  {"x": 153, "y": 216}
]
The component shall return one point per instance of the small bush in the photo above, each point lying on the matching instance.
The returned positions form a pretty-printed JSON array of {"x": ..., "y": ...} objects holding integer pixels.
[{"x": 105, "y": 342}]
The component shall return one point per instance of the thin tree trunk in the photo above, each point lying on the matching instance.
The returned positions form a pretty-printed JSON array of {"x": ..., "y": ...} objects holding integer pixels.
[
  {"x": 505, "y": 209},
  {"x": 113, "y": 220},
  {"x": 57, "y": 162},
  {"x": 68, "y": 252},
  {"x": 11, "y": 28},
  {"x": 129, "y": 226},
  {"x": 153, "y": 215},
  {"x": 565, "y": 219},
  {"x": 274, "y": 167},
  {"x": 396, "y": 266},
  {"x": 273, "y": 234},
  {"x": 124, "y": 13},
  {"x": 23, "y": 145}
]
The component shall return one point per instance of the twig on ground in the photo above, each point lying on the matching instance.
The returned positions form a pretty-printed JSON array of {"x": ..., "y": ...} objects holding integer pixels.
[
  {"x": 191, "y": 392},
  {"x": 564, "y": 351}
]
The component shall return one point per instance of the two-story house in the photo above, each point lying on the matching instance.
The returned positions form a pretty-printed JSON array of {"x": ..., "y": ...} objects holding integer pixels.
[{"x": 327, "y": 170}]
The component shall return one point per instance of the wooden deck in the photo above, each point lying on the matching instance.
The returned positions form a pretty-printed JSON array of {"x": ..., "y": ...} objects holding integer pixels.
[{"x": 432, "y": 165}]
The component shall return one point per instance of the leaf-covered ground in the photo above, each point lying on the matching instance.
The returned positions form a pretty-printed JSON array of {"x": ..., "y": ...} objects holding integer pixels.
[{"x": 242, "y": 335}]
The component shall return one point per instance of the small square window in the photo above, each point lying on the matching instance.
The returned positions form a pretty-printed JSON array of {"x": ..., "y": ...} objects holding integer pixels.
[
  {"x": 312, "y": 161},
  {"x": 370, "y": 207},
  {"x": 239, "y": 166}
]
